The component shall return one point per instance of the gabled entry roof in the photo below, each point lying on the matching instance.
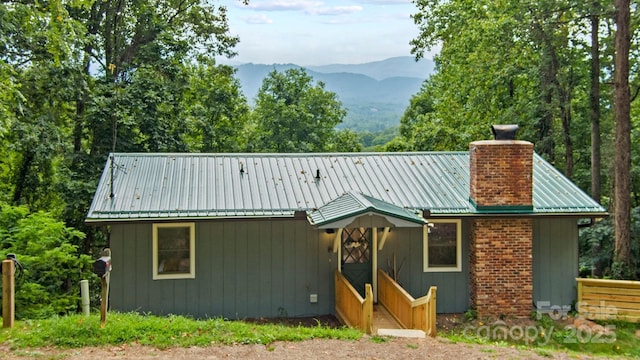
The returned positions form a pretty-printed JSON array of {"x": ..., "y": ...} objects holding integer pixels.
[
  {"x": 205, "y": 186},
  {"x": 344, "y": 209}
]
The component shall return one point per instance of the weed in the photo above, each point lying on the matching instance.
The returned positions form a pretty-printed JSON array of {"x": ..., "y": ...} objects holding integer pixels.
[
  {"x": 620, "y": 340},
  {"x": 379, "y": 339},
  {"x": 471, "y": 315},
  {"x": 544, "y": 353},
  {"x": 160, "y": 332}
]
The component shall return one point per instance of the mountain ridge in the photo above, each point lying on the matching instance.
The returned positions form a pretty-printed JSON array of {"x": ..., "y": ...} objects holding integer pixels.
[{"x": 362, "y": 88}]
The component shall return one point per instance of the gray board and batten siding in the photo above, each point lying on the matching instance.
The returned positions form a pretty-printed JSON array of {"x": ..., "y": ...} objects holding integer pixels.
[
  {"x": 269, "y": 268},
  {"x": 555, "y": 265},
  {"x": 406, "y": 245},
  {"x": 555, "y": 261},
  {"x": 244, "y": 269}
]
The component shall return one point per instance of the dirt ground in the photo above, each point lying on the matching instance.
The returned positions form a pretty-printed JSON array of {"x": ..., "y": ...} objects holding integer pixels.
[{"x": 365, "y": 348}]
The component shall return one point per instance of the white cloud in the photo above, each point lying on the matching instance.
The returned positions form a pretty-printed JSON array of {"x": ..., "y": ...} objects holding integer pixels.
[
  {"x": 283, "y": 5},
  {"x": 385, "y": 2},
  {"x": 257, "y": 19},
  {"x": 335, "y": 10},
  {"x": 315, "y": 32}
]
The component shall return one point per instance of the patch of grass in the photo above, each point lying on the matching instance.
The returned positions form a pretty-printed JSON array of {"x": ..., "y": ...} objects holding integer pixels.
[
  {"x": 379, "y": 339},
  {"x": 620, "y": 341},
  {"x": 161, "y": 332},
  {"x": 547, "y": 336},
  {"x": 412, "y": 346},
  {"x": 544, "y": 352}
]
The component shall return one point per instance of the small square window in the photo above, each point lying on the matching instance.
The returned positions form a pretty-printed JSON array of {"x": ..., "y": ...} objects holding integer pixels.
[
  {"x": 442, "y": 248},
  {"x": 174, "y": 251}
]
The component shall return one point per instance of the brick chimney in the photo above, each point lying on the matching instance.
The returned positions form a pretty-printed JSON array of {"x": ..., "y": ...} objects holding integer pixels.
[{"x": 501, "y": 186}]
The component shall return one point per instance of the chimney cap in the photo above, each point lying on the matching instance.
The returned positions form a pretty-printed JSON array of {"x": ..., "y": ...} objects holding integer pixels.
[{"x": 504, "y": 132}]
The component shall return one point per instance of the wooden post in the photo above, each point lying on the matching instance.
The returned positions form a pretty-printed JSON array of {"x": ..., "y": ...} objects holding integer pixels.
[
  {"x": 104, "y": 301},
  {"x": 432, "y": 311},
  {"x": 579, "y": 291},
  {"x": 367, "y": 311},
  {"x": 8, "y": 293}
]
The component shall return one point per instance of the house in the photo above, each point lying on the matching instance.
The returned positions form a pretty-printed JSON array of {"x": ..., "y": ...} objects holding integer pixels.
[{"x": 261, "y": 235}]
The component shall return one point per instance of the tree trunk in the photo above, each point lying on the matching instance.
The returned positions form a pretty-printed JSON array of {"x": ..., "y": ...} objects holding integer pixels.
[
  {"x": 565, "y": 114},
  {"x": 25, "y": 165},
  {"x": 622, "y": 163},
  {"x": 595, "y": 104}
]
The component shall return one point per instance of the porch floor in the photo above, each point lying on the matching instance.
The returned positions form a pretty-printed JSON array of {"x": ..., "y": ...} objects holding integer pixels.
[
  {"x": 383, "y": 320},
  {"x": 385, "y": 325}
]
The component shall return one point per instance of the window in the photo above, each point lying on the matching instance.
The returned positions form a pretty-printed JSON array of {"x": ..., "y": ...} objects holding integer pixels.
[
  {"x": 442, "y": 248},
  {"x": 355, "y": 245},
  {"x": 174, "y": 251}
]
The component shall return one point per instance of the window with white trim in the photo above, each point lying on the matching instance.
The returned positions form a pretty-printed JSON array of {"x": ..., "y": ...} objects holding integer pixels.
[
  {"x": 442, "y": 246},
  {"x": 174, "y": 251}
]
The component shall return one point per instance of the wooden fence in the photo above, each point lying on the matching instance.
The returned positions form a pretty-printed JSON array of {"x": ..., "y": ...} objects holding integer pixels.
[
  {"x": 351, "y": 308},
  {"x": 600, "y": 299},
  {"x": 409, "y": 312}
]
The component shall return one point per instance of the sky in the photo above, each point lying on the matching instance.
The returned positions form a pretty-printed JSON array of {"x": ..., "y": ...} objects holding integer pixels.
[{"x": 321, "y": 32}]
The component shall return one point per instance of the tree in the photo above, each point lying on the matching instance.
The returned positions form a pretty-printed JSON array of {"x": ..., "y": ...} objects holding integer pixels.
[
  {"x": 488, "y": 70},
  {"x": 124, "y": 38},
  {"x": 37, "y": 47},
  {"x": 345, "y": 140},
  {"x": 216, "y": 110},
  {"x": 82, "y": 76},
  {"x": 514, "y": 62},
  {"x": 293, "y": 114},
  {"x": 622, "y": 162}
]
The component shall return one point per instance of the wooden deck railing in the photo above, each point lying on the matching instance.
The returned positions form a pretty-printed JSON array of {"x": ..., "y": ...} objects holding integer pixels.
[
  {"x": 409, "y": 312},
  {"x": 351, "y": 308},
  {"x": 600, "y": 299}
]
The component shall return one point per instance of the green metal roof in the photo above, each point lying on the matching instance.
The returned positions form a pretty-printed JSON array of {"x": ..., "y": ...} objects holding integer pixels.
[
  {"x": 354, "y": 204},
  {"x": 195, "y": 186}
]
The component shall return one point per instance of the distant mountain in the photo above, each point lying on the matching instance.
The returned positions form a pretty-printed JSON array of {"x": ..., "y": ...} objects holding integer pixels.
[
  {"x": 402, "y": 66},
  {"x": 364, "y": 89}
]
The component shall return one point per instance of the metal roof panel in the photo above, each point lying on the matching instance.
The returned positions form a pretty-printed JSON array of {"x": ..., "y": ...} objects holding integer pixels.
[{"x": 258, "y": 185}]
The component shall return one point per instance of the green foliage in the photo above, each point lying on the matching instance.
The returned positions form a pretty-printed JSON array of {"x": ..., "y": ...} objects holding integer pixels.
[
  {"x": 53, "y": 267},
  {"x": 379, "y": 339},
  {"x": 344, "y": 141},
  {"x": 160, "y": 332},
  {"x": 596, "y": 244},
  {"x": 398, "y": 144},
  {"x": 376, "y": 140},
  {"x": 470, "y": 315},
  {"x": 293, "y": 114},
  {"x": 371, "y": 117},
  {"x": 510, "y": 63},
  {"x": 78, "y": 78},
  {"x": 216, "y": 110}
]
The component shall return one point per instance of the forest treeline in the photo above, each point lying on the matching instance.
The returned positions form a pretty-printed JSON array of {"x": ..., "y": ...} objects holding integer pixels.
[
  {"x": 565, "y": 72},
  {"x": 82, "y": 78}
]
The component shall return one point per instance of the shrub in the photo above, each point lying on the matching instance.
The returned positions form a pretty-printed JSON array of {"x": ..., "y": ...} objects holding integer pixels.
[
  {"x": 53, "y": 267},
  {"x": 597, "y": 249}
]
